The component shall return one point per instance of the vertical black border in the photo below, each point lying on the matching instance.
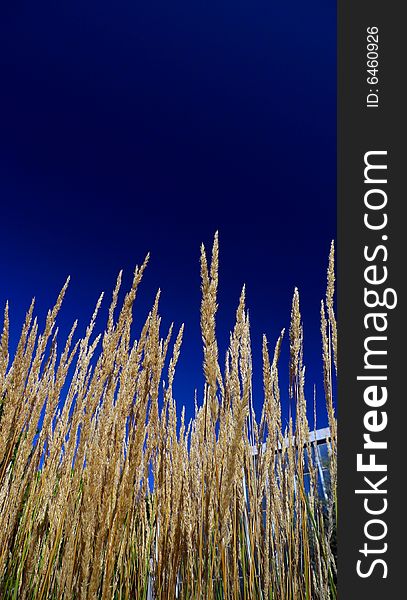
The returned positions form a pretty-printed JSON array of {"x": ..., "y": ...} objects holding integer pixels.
[{"x": 362, "y": 129}]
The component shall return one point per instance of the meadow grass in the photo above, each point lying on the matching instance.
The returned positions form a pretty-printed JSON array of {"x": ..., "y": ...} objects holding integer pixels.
[{"x": 114, "y": 496}]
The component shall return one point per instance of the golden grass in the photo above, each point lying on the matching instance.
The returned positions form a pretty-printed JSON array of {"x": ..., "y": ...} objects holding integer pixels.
[{"x": 79, "y": 516}]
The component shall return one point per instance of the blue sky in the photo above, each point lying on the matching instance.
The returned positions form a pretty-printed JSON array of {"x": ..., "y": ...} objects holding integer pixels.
[{"x": 129, "y": 127}]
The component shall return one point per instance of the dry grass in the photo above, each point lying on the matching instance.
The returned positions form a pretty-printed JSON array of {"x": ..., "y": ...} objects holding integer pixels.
[{"x": 80, "y": 517}]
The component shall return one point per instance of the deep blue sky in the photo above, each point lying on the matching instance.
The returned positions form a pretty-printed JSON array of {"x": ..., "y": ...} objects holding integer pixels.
[{"x": 136, "y": 126}]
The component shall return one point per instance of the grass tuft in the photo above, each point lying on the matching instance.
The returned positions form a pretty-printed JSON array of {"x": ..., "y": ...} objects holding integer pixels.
[{"x": 105, "y": 493}]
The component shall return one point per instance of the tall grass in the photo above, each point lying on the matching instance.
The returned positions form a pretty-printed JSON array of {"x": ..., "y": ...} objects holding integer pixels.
[{"x": 113, "y": 496}]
